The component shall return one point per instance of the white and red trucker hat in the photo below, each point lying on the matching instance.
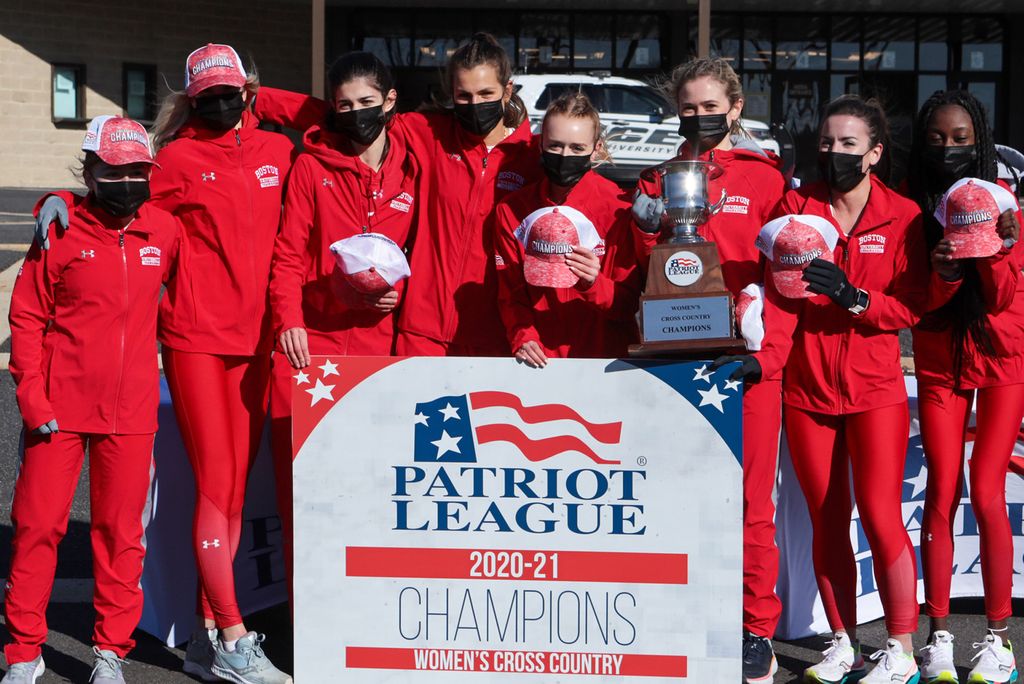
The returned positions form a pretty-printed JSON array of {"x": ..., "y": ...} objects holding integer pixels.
[
  {"x": 750, "y": 315},
  {"x": 213, "y": 65},
  {"x": 969, "y": 212},
  {"x": 791, "y": 242},
  {"x": 118, "y": 141},
  {"x": 547, "y": 235},
  {"x": 372, "y": 263}
]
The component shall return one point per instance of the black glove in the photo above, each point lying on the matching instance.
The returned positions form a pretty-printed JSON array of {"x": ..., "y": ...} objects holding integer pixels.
[
  {"x": 824, "y": 277},
  {"x": 749, "y": 370}
]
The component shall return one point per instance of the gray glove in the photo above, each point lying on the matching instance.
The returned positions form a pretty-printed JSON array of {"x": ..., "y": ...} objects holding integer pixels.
[
  {"x": 647, "y": 212},
  {"x": 47, "y": 428},
  {"x": 53, "y": 209}
]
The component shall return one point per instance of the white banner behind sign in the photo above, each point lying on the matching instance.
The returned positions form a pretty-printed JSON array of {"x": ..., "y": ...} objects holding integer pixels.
[
  {"x": 468, "y": 519},
  {"x": 802, "y": 612}
]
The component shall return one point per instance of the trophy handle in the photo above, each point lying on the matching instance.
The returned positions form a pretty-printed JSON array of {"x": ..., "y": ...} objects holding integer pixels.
[{"x": 717, "y": 206}]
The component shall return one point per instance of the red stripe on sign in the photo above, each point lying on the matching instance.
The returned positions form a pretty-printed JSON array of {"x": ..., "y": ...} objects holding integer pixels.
[
  {"x": 516, "y": 662},
  {"x": 516, "y": 564}
]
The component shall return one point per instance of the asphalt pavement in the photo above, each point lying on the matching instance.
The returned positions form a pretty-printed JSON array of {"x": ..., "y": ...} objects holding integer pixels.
[{"x": 68, "y": 652}]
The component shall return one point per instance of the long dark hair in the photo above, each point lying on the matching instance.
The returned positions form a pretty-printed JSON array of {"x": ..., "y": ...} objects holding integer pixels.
[
  {"x": 366, "y": 65},
  {"x": 872, "y": 114},
  {"x": 966, "y": 314},
  {"x": 483, "y": 48}
]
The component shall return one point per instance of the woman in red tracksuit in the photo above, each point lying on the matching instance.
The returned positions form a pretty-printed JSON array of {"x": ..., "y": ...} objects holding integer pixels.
[
  {"x": 710, "y": 102},
  {"x": 971, "y": 345},
  {"x": 597, "y": 316},
  {"x": 843, "y": 392},
  {"x": 83, "y": 354},
  {"x": 356, "y": 176},
  {"x": 224, "y": 180}
]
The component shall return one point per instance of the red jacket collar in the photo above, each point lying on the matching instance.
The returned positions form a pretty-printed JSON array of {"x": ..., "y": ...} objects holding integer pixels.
[
  {"x": 521, "y": 135},
  {"x": 878, "y": 211},
  {"x": 328, "y": 148}
]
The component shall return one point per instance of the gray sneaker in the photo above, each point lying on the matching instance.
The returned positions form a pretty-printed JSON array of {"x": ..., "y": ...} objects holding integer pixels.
[
  {"x": 199, "y": 655},
  {"x": 106, "y": 667},
  {"x": 25, "y": 673},
  {"x": 247, "y": 664}
]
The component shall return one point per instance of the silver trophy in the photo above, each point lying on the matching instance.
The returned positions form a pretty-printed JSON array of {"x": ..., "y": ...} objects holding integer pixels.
[{"x": 684, "y": 189}]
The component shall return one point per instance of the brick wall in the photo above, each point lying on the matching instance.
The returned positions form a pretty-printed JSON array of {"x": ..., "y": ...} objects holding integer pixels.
[{"x": 104, "y": 34}]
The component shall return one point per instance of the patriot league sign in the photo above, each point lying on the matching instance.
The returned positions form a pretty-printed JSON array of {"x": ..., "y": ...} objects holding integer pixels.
[{"x": 475, "y": 520}]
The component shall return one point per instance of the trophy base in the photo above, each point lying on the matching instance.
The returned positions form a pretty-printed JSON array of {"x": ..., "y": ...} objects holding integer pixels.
[{"x": 691, "y": 349}]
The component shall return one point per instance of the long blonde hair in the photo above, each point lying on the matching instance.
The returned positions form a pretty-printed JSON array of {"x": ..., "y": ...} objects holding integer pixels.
[{"x": 176, "y": 109}]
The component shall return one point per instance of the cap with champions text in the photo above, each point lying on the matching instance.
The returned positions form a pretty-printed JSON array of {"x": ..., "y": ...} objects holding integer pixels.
[
  {"x": 790, "y": 243},
  {"x": 118, "y": 141},
  {"x": 969, "y": 212},
  {"x": 547, "y": 235},
  {"x": 372, "y": 263},
  {"x": 213, "y": 65}
]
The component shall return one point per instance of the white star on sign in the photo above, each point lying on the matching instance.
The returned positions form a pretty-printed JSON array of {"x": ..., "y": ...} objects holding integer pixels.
[
  {"x": 301, "y": 378},
  {"x": 420, "y": 419},
  {"x": 920, "y": 481},
  {"x": 321, "y": 391},
  {"x": 450, "y": 411},
  {"x": 447, "y": 443},
  {"x": 702, "y": 374},
  {"x": 733, "y": 384},
  {"x": 329, "y": 368},
  {"x": 712, "y": 397}
]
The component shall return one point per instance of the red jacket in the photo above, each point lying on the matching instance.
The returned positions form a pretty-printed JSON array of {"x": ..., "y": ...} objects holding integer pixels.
[
  {"x": 332, "y": 195},
  {"x": 753, "y": 188},
  {"x": 83, "y": 321},
  {"x": 226, "y": 189},
  {"x": 835, "y": 362},
  {"x": 599, "y": 322},
  {"x": 1002, "y": 287},
  {"x": 453, "y": 292}
]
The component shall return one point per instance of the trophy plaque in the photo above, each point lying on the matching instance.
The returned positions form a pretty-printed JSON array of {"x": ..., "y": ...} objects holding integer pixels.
[{"x": 686, "y": 308}]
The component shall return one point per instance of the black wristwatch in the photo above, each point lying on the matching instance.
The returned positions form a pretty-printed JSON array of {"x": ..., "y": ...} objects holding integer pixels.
[{"x": 860, "y": 303}]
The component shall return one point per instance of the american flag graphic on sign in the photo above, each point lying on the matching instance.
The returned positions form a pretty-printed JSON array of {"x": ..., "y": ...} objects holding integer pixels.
[{"x": 449, "y": 429}]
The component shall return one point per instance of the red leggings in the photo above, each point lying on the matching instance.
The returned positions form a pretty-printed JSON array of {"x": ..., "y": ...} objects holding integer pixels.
[
  {"x": 221, "y": 406},
  {"x": 823, "y": 447},
  {"x": 120, "y": 474},
  {"x": 762, "y": 419},
  {"x": 945, "y": 413},
  {"x": 281, "y": 450}
]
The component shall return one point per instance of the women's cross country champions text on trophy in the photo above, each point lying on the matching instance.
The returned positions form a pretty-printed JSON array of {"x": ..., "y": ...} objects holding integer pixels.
[{"x": 685, "y": 306}]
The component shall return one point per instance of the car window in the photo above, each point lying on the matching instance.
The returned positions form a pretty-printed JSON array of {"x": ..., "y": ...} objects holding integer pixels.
[
  {"x": 553, "y": 90},
  {"x": 625, "y": 100}
]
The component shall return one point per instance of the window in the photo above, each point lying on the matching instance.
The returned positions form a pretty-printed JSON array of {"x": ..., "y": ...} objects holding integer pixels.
[
  {"x": 757, "y": 43},
  {"x": 552, "y": 91},
  {"x": 889, "y": 45},
  {"x": 379, "y": 33},
  {"x": 846, "y": 44},
  {"x": 637, "y": 41},
  {"x": 932, "y": 48},
  {"x": 801, "y": 43},
  {"x": 632, "y": 101},
  {"x": 982, "y": 44},
  {"x": 544, "y": 42},
  {"x": 437, "y": 37},
  {"x": 593, "y": 42},
  {"x": 139, "y": 91},
  {"x": 68, "y": 93}
]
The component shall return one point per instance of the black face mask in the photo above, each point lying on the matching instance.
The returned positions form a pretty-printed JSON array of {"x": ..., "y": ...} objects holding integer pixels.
[
  {"x": 704, "y": 131},
  {"x": 480, "y": 118},
  {"x": 121, "y": 198},
  {"x": 841, "y": 171},
  {"x": 565, "y": 170},
  {"x": 220, "y": 112},
  {"x": 950, "y": 163},
  {"x": 360, "y": 125}
]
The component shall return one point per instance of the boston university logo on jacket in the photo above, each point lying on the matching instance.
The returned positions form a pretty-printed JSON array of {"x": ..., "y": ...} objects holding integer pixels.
[
  {"x": 150, "y": 255},
  {"x": 268, "y": 176},
  {"x": 402, "y": 202},
  {"x": 873, "y": 243}
]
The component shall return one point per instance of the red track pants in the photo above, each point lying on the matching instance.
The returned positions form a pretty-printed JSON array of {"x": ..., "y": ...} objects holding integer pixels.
[
  {"x": 945, "y": 413},
  {"x": 221, "y": 406},
  {"x": 762, "y": 419},
  {"x": 823, "y": 447},
  {"x": 281, "y": 385},
  {"x": 120, "y": 474}
]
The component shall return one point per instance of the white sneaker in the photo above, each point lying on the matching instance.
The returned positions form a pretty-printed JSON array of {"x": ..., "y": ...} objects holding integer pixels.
[
  {"x": 996, "y": 664},
  {"x": 842, "y": 663},
  {"x": 894, "y": 666},
  {"x": 937, "y": 659},
  {"x": 25, "y": 673}
]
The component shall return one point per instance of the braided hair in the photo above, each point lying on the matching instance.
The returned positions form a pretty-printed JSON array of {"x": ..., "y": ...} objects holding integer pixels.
[{"x": 966, "y": 314}]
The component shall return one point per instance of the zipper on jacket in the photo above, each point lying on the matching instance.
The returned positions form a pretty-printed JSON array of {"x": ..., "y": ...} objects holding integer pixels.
[
  {"x": 844, "y": 338},
  {"x": 252, "y": 221},
  {"x": 238, "y": 139},
  {"x": 124, "y": 325}
]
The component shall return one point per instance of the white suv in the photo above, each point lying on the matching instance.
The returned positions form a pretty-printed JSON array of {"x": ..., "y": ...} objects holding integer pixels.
[{"x": 641, "y": 127}]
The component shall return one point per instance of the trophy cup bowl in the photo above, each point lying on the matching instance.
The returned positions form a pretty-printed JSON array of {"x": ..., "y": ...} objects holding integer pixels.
[{"x": 684, "y": 190}]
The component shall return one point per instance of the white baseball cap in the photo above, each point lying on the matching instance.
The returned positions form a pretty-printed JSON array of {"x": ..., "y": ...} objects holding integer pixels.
[{"x": 371, "y": 262}]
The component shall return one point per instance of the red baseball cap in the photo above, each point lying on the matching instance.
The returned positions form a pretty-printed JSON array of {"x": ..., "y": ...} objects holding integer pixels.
[
  {"x": 969, "y": 212},
  {"x": 547, "y": 235},
  {"x": 372, "y": 263},
  {"x": 118, "y": 141},
  {"x": 213, "y": 65},
  {"x": 790, "y": 243}
]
